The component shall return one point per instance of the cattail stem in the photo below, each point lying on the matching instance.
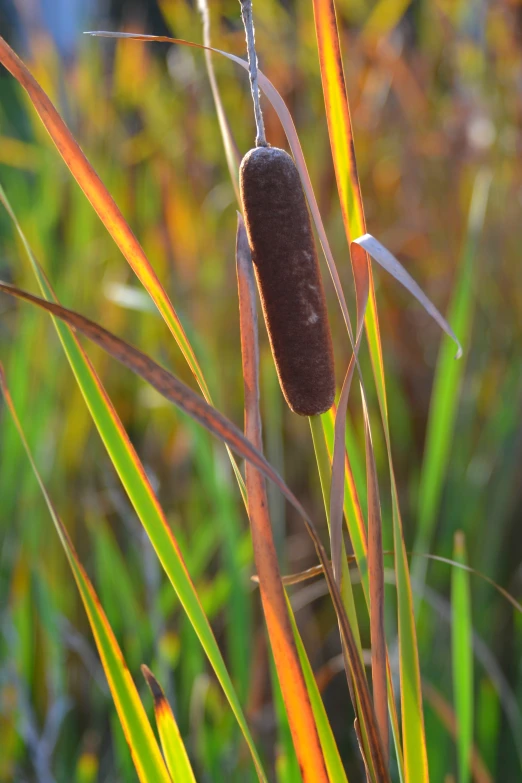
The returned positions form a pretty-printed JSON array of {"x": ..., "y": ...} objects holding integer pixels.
[{"x": 248, "y": 23}]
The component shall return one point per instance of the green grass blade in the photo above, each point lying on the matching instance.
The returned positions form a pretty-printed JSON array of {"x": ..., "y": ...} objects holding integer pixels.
[
  {"x": 140, "y": 492},
  {"x": 448, "y": 376},
  {"x": 462, "y": 658},
  {"x": 109, "y": 213},
  {"x": 136, "y": 727},
  {"x": 324, "y": 468}
]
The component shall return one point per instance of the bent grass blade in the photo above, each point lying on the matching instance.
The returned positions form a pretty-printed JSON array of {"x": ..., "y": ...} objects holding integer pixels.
[
  {"x": 108, "y": 212},
  {"x": 140, "y": 492},
  {"x": 136, "y": 727},
  {"x": 197, "y": 408}
]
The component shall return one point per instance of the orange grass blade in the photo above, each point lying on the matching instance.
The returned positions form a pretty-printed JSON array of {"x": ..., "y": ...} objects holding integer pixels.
[
  {"x": 173, "y": 748},
  {"x": 343, "y": 153},
  {"x": 196, "y": 407},
  {"x": 136, "y": 727},
  {"x": 293, "y": 687}
]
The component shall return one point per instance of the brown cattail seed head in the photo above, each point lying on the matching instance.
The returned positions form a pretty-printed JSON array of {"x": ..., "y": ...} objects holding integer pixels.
[{"x": 287, "y": 271}]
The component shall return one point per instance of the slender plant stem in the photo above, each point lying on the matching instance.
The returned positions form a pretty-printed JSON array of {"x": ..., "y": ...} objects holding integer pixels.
[{"x": 248, "y": 23}]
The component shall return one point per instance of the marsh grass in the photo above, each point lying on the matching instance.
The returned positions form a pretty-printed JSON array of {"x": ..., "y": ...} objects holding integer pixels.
[{"x": 163, "y": 509}]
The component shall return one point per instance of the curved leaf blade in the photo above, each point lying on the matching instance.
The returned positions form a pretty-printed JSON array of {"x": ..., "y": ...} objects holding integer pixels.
[
  {"x": 108, "y": 212},
  {"x": 139, "y": 490},
  {"x": 136, "y": 727},
  {"x": 197, "y": 408}
]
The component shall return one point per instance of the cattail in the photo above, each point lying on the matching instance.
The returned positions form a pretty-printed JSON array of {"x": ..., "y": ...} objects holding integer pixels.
[{"x": 287, "y": 271}]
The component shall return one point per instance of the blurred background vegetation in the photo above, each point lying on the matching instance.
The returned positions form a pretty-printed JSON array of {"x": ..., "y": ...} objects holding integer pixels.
[{"x": 436, "y": 98}]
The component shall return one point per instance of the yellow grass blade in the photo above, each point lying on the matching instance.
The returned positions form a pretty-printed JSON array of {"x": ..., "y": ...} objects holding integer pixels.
[
  {"x": 343, "y": 153},
  {"x": 139, "y": 490},
  {"x": 173, "y": 748},
  {"x": 136, "y": 727}
]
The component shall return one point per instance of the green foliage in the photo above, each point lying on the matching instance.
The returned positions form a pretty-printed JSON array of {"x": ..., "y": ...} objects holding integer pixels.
[{"x": 434, "y": 122}]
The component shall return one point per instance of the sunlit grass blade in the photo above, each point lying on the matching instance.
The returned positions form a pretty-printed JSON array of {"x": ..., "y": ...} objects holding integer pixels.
[
  {"x": 324, "y": 467},
  {"x": 376, "y": 580},
  {"x": 197, "y": 408},
  {"x": 462, "y": 658},
  {"x": 107, "y": 210},
  {"x": 142, "y": 743},
  {"x": 443, "y": 710},
  {"x": 352, "y": 504},
  {"x": 174, "y": 750},
  {"x": 448, "y": 376},
  {"x": 289, "y": 672},
  {"x": 343, "y": 153},
  {"x": 334, "y": 764},
  {"x": 140, "y": 492}
]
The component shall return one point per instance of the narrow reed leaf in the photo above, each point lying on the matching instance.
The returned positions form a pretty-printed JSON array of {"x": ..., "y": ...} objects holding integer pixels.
[
  {"x": 174, "y": 750},
  {"x": 388, "y": 262},
  {"x": 197, "y": 408},
  {"x": 343, "y": 154},
  {"x": 164, "y": 382},
  {"x": 136, "y": 727},
  {"x": 376, "y": 580},
  {"x": 360, "y": 271},
  {"x": 462, "y": 659},
  {"x": 342, "y": 575},
  {"x": 351, "y": 503},
  {"x": 231, "y": 151},
  {"x": 134, "y": 478},
  {"x": 446, "y": 715},
  {"x": 293, "y": 687},
  {"x": 448, "y": 377}
]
